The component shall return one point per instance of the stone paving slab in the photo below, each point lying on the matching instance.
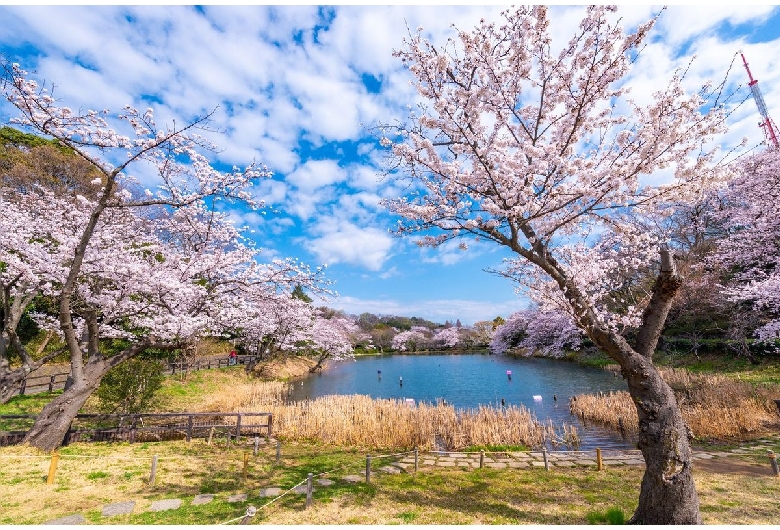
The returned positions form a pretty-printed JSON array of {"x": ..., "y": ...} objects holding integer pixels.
[
  {"x": 203, "y": 498},
  {"x": 237, "y": 497},
  {"x": 118, "y": 508},
  {"x": 325, "y": 482},
  {"x": 390, "y": 469},
  {"x": 301, "y": 489},
  {"x": 270, "y": 492},
  {"x": 354, "y": 478},
  {"x": 165, "y": 504},
  {"x": 76, "y": 518}
]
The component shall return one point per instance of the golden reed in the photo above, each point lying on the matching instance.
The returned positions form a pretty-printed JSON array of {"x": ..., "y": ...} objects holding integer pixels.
[
  {"x": 713, "y": 406},
  {"x": 361, "y": 421}
]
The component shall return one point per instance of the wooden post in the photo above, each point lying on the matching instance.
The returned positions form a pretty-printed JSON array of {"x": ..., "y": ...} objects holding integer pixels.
[
  {"x": 368, "y": 469},
  {"x": 55, "y": 458},
  {"x": 153, "y": 474},
  {"x": 51, "y": 383},
  {"x": 416, "y": 457},
  {"x": 270, "y": 423},
  {"x": 227, "y": 440},
  {"x": 481, "y": 459},
  {"x": 211, "y": 435},
  {"x": 308, "y": 490},
  {"x": 238, "y": 427},
  {"x": 278, "y": 451},
  {"x": 132, "y": 430},
  {"x": 773, "y": 463},
  {"x": 246, "y": 464},
  {"x": 189, "y": 428},
  {"x": 546, "y": 462},
  {"x": 23, "y": 387},
  {"x": 257, "y": 445},
  {"x": 599, "y": 462}
]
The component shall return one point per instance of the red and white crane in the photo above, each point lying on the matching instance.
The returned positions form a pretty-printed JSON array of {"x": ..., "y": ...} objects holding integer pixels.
[{"x": 767, "y": 123}]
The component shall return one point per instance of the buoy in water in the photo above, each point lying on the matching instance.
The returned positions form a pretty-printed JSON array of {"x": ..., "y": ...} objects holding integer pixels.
[{"x": 537, "y": 398}]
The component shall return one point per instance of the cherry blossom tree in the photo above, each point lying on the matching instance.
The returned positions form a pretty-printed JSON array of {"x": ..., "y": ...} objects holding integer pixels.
[
  {"x": 446, "y": 337},
  {"x": 549, "y": 333},
  {"x": 412, "y": 339},
  {"x": 751, "y": 252},
  {"x": 156, "y": 269},
  {"x": 333, "y": 339},
  {"x": 543, "y": 151}
]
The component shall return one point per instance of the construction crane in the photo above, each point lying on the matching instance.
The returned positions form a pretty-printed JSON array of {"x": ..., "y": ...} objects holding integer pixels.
[{"x": 767, "y": 123}]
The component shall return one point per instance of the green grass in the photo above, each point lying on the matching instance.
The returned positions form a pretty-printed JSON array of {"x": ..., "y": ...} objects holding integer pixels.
[{"x": 611, "y": 516}]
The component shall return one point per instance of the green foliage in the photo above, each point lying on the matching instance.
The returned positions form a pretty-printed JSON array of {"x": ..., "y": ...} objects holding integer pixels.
[
  {"x": 10, "y": 137},
  {"x": 611, "y": 516},
  {"x": 299, "y": 293},
  {"x": 130, "y": 388}
]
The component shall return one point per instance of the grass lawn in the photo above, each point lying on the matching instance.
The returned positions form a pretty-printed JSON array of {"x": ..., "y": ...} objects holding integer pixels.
[{"x": 89, "y": 476}]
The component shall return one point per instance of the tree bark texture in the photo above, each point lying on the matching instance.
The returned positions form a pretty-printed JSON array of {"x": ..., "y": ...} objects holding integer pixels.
[
  {"x": 668, "y": 492},
  {"x": 53, "y": 422}
]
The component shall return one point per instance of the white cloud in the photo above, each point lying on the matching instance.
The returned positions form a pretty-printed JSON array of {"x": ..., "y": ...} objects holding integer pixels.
[
  {"x": 438, "y": 310},
  {"x": 347, "y": 243},
  {"x": 315, "y": 174}
]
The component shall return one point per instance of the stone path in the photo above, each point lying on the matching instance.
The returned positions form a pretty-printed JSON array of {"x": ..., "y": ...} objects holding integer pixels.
[{"x": 441, "y": 459}]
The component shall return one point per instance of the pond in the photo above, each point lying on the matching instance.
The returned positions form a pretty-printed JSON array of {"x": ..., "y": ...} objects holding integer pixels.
[{"x": 469, "y": 380}]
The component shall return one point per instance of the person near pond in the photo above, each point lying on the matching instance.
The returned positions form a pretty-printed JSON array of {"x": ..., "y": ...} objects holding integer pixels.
[{"x": 233, "y": 357}]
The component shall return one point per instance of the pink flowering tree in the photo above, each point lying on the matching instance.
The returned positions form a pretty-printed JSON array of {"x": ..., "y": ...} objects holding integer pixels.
[
  {"x": 542, "y": 150},
  {"x": 156, "y": 269},
  {"x": 411, "y": 339},
  {"x": 446, "y": 338},
  {"x": 751, "y": 252},
  {"x": 548, "y": 333},
  {"x": 333, "y": 339}
]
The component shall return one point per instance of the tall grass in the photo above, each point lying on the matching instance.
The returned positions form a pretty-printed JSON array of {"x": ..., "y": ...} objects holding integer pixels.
[
  {"x": 358, "y": 420},
  {"x": 714, "y": 406}
]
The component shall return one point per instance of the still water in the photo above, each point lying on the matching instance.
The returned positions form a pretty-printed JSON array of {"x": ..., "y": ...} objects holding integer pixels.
[{"x": 469, "y": 380}]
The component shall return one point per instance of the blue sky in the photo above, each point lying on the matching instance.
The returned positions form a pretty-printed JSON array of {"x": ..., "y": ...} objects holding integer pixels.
[{"x": 299, "y": 88}]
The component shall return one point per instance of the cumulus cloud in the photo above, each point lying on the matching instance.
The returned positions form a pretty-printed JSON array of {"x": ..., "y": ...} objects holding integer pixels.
[{"x": 347, "y": 243}]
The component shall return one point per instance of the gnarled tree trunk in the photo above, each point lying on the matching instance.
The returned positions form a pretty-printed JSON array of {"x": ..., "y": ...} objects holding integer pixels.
[
  {"x": 53, "y": 422},
  {"x": 668, "y": 492}
]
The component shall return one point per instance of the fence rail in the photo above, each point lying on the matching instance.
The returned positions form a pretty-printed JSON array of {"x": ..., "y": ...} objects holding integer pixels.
[
  {"x": 147, "y": 427},
  {"x": 35, "y": 384}
]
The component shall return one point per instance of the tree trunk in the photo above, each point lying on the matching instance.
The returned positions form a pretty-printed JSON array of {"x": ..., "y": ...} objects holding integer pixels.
[
  {"x": 10, "y": 381},
  {"x": 52, "y": 424},
  {"x": 668, "y": 492}
]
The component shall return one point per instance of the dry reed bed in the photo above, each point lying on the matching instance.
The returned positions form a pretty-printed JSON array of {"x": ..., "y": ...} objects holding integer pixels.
[
  {"x": 362, "y": 421},
  {"x": 713, "y": 406}
]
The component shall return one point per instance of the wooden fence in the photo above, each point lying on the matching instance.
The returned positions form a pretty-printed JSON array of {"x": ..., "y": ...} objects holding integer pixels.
[
  {"x": 147, "y": 427},
  {"x": 35, "y": 384}
]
